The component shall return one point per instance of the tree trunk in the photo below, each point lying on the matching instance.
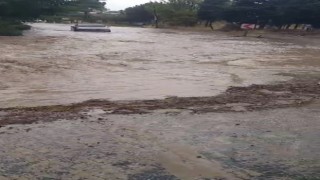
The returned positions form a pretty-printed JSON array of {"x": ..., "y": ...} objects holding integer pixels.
[
  {"x": 211, "y": 25},
  {"x": 207, "y": 23},
  {"x": 156, "y": 20},
  {"x": 157, "y": 23},
  {"x": 245, "y": 34}
]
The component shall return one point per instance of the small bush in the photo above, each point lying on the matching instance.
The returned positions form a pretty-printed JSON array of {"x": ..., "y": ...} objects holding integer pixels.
[
  {"x": 22, "y": 27},
  {"x": 6, "y": 30},
  {"x": 12, "y": 28}
]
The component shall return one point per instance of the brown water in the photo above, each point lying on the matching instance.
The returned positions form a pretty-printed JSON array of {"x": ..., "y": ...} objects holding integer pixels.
[{"x": 52, "y": 65}]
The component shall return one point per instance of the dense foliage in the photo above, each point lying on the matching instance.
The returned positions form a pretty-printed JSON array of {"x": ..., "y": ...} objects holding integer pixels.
[
  {"x": 27, "y": 9},
  {"x": 263, "y": 12},
  {"x": 13, "y": 12},
  {"x": 173, "y": 12},
  {"x": 273, "y": 12},
  {"x": 84, "y": 6}
]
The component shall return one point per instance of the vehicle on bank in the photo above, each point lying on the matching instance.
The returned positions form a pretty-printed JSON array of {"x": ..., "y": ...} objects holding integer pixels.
[{"x": 90, "y": 28}]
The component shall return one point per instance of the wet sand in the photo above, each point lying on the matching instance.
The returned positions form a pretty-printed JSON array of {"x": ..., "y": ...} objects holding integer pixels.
[{"x": 266, "y": 126}]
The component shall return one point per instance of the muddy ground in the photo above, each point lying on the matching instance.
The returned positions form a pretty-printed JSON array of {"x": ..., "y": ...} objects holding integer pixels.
[
  {"x": 255, "y": 132},
  {"x": 294, "y": 93}
]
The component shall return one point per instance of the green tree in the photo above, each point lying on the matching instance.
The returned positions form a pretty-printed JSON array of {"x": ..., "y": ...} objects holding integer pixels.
[
  {"x": 212, "y": 10},
  {"x": 12, "y": 12},
  {"x": 262, "y": 12},
  {"x": 139, "y": 14},
  {"x": 253, "y": 11},
  {"x": 28, "y": 9},
  {"x": 84, "y": 6},
  {"x": 176, "y": 12},
  {"x": 297, "y": 11},
  {"x": 192, "y": 5}
]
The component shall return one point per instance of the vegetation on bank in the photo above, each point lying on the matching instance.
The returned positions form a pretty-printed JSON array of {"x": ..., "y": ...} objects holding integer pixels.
[
  {"x": 12, "y": 28},
  {"x": 170, "y": 13},
  {"x": 265, "y": 13},
  {"x": 14, "y": 12},
  {"x": 271, "y": 13}
]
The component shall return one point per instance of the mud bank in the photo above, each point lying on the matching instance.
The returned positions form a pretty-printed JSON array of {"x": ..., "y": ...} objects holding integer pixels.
[
  {"x": 176, "y": 138},
  {"x": 259, "y": 132},
  {"x": 293, "y": 93}
]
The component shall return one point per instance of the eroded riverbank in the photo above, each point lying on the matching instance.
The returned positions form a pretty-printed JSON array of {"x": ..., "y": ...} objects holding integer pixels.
[
  {"x": 256, "y": 132},
  {"x": 294, "y": 93}
]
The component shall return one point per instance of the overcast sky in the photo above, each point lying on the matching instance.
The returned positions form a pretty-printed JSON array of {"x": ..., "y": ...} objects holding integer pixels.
[{"x": 122, "y": 4}]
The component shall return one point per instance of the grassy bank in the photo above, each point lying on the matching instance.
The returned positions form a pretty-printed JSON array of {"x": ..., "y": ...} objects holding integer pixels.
[{"x": 12, "y": 28}]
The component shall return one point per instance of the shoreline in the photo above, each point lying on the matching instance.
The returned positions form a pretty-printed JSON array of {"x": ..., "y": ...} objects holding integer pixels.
[
  {"x": 222, "y": 137},
  {"x": 293, "y": 93},
  {"x": 202, "y": 28}
]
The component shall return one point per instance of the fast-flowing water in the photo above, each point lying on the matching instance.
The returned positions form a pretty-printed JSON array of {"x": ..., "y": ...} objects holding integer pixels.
[{"x": 53, "y": 65}]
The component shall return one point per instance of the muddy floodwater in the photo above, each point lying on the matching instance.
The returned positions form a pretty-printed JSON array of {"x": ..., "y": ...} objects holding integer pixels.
[
  {"x": 52, "y": 65},
  {"x": 177, "y": 118}
]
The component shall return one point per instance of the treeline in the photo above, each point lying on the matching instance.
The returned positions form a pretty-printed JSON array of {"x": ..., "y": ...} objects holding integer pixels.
[
  {"x": 27, "y": 9},
  {"x": 274, "y": 13},
  {"x": 14, "y": 12},
  {"x": 31, "y": 9},
  {"x": 171, "y": 12},
  {"x": 263, "y": 12}
]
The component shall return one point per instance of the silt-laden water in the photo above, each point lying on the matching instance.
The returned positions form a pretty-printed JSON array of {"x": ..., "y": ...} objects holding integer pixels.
[{"x": 53, "y": 65}]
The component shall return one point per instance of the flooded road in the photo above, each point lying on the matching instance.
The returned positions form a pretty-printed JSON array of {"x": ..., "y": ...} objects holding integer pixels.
[
  {"x": 256, "y": 132},
  {"x": 52, "y": 65}
]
